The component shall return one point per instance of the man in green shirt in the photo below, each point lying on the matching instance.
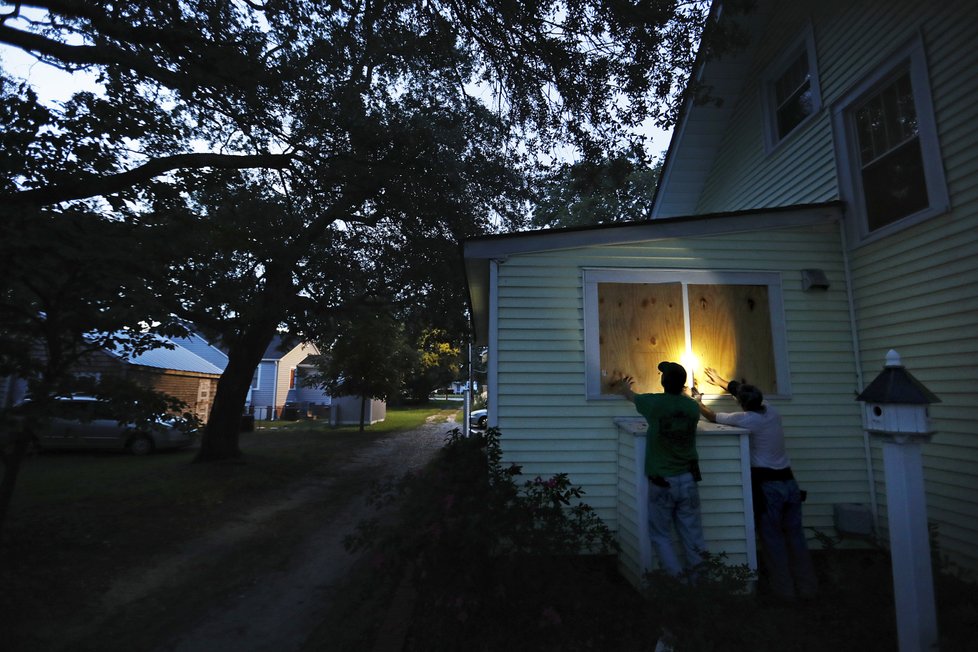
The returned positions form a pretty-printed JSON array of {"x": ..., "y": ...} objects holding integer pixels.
[{"x": 671, "y": 464}]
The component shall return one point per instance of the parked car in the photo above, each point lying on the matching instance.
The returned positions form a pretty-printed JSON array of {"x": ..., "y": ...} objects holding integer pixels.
[
  {"x": 479, "y": 418},
  {"x": 85, "y": 422}
]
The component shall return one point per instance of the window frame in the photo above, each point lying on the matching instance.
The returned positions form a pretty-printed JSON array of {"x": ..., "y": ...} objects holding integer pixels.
[
  {"x": 804, "y": 42},
  {"x": 910, "y": 56},
  {"x": 256, "y": 378},
  {"x": 591, "y": 277}
]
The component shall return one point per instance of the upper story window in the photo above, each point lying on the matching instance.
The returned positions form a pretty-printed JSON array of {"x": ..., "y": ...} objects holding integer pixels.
[
  {"x": 256, "y": 379},
  {"x": 793, "y": 96},
  {"x": 732, "y": 321},
  {"x": 791, "y": 90},
  {"x": 890, "y": 167}
]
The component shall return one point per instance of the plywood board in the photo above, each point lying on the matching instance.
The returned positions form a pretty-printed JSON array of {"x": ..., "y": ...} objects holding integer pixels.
[
  {"x": 640, "y": 325},
  {"x": 730, "y": 330}
]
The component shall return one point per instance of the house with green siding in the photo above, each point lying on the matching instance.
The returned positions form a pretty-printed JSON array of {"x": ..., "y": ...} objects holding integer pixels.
[{"x": 825, "y": 212}]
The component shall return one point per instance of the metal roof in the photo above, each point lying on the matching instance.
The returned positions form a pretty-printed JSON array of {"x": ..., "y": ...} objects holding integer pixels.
[{"x": 175, "y": 359}]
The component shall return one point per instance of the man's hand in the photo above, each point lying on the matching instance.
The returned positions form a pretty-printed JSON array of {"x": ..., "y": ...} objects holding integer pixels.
[{"x": 622, "y": 385}]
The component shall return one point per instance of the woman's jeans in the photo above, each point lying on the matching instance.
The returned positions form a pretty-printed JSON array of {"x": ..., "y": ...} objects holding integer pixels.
[
  {"x": 784, "y": 550},
  {"x": 676, "y": 505}
]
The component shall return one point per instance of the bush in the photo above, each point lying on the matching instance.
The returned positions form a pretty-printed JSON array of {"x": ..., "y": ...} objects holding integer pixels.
[
  {"x": 486, "y": 547},
  {"x": 494, "y": 560}
]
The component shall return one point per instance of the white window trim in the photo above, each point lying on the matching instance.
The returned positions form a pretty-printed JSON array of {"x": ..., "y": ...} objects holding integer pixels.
[
  {"x": 846, "y": 144},
  {"x": 803, "y": 42},
  {"x": 256, "y": 378},
  {"x": 593, "y": 276}
]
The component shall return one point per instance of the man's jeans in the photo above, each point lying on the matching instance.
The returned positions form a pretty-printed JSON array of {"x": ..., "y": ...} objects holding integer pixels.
[
  {"x": 783, "y": 545},
  {"x": 676, "y": 505}
]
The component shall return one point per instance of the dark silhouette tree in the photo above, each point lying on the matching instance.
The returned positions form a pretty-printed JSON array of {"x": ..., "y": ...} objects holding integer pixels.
[{"x": 414, "y": 119}]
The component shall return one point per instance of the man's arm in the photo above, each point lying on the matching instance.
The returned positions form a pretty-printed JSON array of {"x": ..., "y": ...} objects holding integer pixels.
[
  {"x": 707, "y": 413},
  {"x": 623, "y": 387}
]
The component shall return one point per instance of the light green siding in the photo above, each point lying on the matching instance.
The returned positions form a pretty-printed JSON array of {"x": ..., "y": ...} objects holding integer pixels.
[
  {"x": 549, "y": 426},
  {"x": 915, "y": 291},
  {"x": 724, "y": 493}
]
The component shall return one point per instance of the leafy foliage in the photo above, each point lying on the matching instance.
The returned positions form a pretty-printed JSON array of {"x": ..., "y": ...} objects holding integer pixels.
[
  {"x": 484, "y": 545},
  {"x": 436, "y": 363},
  {"x": 368, "y": 358},
  {"x": 617, "y": 188}
]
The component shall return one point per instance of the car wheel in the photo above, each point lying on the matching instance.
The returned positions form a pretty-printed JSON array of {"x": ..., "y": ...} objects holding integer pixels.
[
  {"x": 140, "y": 445},
  {"x": 483, "y": 422}
]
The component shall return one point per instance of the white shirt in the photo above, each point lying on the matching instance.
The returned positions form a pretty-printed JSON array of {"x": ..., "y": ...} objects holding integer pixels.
[{"x": 766, "y": 436}]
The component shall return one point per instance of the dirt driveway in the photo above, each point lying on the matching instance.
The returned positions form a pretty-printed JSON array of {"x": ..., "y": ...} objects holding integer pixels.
[{"x": 289, "y": 592}]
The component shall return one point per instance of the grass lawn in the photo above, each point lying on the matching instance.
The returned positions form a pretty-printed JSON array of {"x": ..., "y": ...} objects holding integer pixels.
[{"x": 80, "y": 519}]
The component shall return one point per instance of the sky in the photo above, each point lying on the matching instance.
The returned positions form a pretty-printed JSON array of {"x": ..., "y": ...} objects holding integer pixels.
[{"x": 53, "y": 85}]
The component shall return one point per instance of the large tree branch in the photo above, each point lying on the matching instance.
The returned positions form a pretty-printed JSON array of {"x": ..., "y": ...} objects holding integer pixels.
[
  {"x": 106, "y": 185},
  {"x": 89, "y": 55}
]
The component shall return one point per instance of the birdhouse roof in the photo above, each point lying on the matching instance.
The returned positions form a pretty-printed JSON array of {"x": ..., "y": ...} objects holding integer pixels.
[{"x": 897, "y": 385}]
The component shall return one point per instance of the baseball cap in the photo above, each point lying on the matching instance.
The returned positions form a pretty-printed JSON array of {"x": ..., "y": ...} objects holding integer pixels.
[{"x": 673, "y": 376}]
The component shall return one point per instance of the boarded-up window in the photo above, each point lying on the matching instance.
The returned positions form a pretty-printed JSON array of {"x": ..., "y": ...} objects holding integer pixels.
[
  {"x": 724, "y": 325},
  {"x": 640, "y": 325},
  {"x": 730, "y": 330}
]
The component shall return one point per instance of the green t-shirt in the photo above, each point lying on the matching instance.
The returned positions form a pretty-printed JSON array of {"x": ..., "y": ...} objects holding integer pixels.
[{"x": 671, "y": 436}]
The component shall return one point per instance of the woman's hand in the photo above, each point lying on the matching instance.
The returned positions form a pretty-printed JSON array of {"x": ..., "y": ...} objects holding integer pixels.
[{"x": 715, "y": 378}]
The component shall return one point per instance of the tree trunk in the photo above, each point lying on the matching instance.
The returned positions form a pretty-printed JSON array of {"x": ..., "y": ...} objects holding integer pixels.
[{"x": 220, "y": 439}]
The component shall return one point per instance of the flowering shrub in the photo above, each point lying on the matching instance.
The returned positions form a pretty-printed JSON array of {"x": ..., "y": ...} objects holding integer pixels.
[{"x": 487, "y": 546}]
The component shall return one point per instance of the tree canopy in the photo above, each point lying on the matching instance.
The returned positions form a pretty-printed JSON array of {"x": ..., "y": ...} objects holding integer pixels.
[{"x": 287, "y": 157}]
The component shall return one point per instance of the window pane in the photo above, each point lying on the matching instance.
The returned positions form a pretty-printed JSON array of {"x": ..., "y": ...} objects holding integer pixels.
[
  {"x": 892, "y": 165},
  {"x": 640, "y": 325},
  {"x": 795, "y": 110},
  {"x": 894, "y": 185},
  {"x": 793, "y": 78},
  {"x": 793, "y": 95},
  {"x": 730, "y": 328},
  {"x": 886, "y": 120}
]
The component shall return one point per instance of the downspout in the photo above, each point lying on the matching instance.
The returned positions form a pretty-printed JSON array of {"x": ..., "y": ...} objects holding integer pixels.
[
  {"x": 857, "y": 350},
  {"x": 492, "y": 370}
]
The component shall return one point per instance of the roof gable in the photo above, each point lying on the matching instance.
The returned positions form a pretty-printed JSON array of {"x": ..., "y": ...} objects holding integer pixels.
[{"x": 700, "y": 127}]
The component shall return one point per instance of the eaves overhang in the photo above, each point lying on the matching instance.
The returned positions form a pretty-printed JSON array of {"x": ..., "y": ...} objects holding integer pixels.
[{"x": 479, "y": 253}]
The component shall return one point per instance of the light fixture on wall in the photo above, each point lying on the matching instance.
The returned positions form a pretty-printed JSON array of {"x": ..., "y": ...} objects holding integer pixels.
[{"x": 814, "y": 279}]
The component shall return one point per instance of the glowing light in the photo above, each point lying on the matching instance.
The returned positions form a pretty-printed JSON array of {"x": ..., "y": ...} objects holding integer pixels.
[{"x": 691, "y": 363}]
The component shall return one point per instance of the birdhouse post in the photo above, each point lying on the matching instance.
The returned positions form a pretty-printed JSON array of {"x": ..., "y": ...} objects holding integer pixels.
[{"x": 895, "y": 405}]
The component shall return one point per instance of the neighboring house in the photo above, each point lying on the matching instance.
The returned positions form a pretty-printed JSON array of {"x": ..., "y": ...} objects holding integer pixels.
[
  {"x": 173, "y": 371},
  {"x": 277, "y": 382},
  {"x": 277, "y": 388},
  {"x": 825, "y": 212}
]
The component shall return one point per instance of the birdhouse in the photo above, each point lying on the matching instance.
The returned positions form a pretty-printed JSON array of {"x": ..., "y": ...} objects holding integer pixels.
[{"x": 896, "y": 403}]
